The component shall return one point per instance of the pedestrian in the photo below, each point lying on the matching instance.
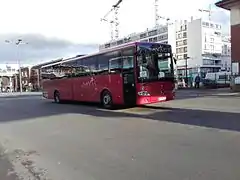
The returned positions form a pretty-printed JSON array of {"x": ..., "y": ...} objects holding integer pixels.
[{"x": 197, "y": 81}]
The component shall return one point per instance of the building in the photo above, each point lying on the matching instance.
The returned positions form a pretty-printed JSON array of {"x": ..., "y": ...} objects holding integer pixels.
[
  {"x": 181, "y": 40},
  {"x": 226, "y": 53},
  {"x": 7, "y": 74},
  {"x": 199, "y": 47},
  {"x": 234, "y": 7},
  {"x": 162, "y": 34}
]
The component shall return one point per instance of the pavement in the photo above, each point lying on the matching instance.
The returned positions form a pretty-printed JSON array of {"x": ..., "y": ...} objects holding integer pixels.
[{"x": 192, "y": 137}]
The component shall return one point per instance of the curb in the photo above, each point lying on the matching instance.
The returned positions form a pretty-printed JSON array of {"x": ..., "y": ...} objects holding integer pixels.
[{"x": 18, "y": 96}]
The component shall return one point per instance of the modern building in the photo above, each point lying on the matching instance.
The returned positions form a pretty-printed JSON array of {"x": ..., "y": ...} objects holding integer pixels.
[
  {"x": 234, "y": 7},
  {"x": 162, "y": 34},
  {"x": 226, "y": 53},
  {"x": 199, "y": 47}
]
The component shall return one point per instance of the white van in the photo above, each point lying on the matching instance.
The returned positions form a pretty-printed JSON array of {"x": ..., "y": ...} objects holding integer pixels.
[{"x": 222, "y": 77}]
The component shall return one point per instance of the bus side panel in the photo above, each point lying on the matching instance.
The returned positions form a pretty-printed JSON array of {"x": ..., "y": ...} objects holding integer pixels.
[
  {"x": 63, "y": 86},
  {"x": 89, "y": 88},
  {"x": 113, "y": 83},
  {"x": 47, "y": 89},
  {"x": 83, "y": 88}
]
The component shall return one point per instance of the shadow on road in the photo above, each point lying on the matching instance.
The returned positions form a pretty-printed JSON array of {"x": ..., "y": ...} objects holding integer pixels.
[{"x": 23, "y": 109}]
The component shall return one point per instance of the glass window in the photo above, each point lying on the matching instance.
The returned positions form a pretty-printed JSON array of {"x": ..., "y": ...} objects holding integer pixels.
[
  {"x": 128, "y": 58},
  {"x": 115, "y": 65},
  {"x": 102, "y": 63},
  {"x": 128, "y": 62},
  {"x": 154, "y": 64}
]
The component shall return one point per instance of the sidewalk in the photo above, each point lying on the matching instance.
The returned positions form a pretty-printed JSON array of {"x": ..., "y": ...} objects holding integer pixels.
[
  {"x": 207, "y": 92},
  {"x": 18, "y": 94}
]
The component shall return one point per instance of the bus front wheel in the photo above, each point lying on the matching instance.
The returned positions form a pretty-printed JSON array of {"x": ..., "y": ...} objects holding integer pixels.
[
  {"x": 106, "y": 99},
  {"x": 57, "y": 97}
]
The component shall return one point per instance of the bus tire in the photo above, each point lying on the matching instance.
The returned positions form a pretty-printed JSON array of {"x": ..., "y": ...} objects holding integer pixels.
[
  {"x": 57, "y": 97},
  {"x": 106, "y": 99}
]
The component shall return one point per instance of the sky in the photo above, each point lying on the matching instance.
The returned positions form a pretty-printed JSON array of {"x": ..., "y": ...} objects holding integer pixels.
[{"x": 54, "y": 29}]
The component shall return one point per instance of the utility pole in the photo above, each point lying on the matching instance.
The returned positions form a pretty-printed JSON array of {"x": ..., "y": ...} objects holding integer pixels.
[
  {"x": 18, "y": 42},
  {"x": 186, "y": 69}
]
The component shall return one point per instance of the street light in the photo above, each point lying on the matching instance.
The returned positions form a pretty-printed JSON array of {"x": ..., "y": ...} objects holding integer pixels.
[
  {"x": 17, "y": 43},
  {"x": 186, "y": 68}
]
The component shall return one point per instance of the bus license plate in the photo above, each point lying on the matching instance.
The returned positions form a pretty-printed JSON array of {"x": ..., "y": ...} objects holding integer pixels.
[{"x": 162, "y": 98}]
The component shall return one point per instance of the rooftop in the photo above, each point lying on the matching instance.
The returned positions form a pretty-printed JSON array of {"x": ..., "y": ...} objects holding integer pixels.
[{"x": 227, "y": 4}]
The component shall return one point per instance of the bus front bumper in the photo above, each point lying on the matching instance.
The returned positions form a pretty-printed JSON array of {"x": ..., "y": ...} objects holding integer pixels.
[{"x": 141, "y": 100}]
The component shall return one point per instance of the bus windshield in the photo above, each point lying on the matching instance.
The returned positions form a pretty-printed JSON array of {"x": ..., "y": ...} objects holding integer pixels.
[{"x": 154, "y": 63}]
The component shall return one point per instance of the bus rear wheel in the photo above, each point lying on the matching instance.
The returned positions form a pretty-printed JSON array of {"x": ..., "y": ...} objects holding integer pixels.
[
  {"x": 106, "y": 100},
  {"x": 57, "y": 97}
]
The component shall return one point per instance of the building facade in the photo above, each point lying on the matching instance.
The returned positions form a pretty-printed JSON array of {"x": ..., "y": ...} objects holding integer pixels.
[
  {"x": 163, "y": 34},
  {"x": 226, "y": 53},
  {"x": 7, "y": 75},
  {"x": 234, "y": 7},
  {"x": 199, "y": 48}
]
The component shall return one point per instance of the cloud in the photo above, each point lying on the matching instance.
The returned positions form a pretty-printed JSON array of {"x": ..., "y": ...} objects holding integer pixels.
[{"x": 37, "y": 48}]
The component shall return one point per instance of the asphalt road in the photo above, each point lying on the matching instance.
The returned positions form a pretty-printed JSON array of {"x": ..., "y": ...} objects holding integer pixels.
[{"x": 194, "y": 137}]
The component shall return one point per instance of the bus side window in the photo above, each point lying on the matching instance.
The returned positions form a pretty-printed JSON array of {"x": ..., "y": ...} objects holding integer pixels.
[
  {"x": 102, "y": 64},
  {"x": 115, "y": 65},
  {"x": 128, "y": 58},
  {"x": 128, "y": 62}
]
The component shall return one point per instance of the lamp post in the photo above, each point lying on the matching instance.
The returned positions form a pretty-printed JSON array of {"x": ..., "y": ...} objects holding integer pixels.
[
  {"x": 186, "y": 69},
  {"x": 18, "y": 42}
]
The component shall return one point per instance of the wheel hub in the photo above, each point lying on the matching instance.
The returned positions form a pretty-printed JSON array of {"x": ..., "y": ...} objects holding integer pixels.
[{"x": 106, "y": 99}]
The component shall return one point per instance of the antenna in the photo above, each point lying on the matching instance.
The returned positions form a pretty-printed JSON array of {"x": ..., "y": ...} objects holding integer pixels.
[{"x": 209, "y": 11}]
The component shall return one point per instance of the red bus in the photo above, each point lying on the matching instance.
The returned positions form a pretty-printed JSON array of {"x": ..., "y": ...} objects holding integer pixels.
[{"x": 133, "y": 74}]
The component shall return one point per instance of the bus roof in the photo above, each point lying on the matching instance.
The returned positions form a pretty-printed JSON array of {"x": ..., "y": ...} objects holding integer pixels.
[{"x": 104, "y": 51}]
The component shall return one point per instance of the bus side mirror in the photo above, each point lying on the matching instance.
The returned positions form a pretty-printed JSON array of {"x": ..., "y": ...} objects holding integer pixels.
[{"x": 175, "y": 60}]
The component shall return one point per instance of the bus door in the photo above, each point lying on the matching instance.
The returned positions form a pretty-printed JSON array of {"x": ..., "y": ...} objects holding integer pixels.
[{"x": 129, "y": 85}]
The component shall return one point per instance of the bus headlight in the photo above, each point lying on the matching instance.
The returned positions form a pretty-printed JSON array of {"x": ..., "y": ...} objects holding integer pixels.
[{"x": 143, "y": 93}]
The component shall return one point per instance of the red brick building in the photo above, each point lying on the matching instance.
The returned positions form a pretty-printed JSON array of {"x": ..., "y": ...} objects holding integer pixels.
[
  {"x": 25, "y": 71},
  {"x": 234, "y": 7}
]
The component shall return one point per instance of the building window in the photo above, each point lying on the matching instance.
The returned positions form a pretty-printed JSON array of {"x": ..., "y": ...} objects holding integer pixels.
[
  {"x": 185, "y": 56},
  {"x": 179, "y": 36},
  {"x": 179, "y": 43},
  {"x": 185, "y": 49},
  {"x": 184, "y": 35},
  {"x": 212, "y": 47},
  {"x": 185, "y": 42},
  {"x": 152, "y": 33},
  {"x": 143, "y": 35}
]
